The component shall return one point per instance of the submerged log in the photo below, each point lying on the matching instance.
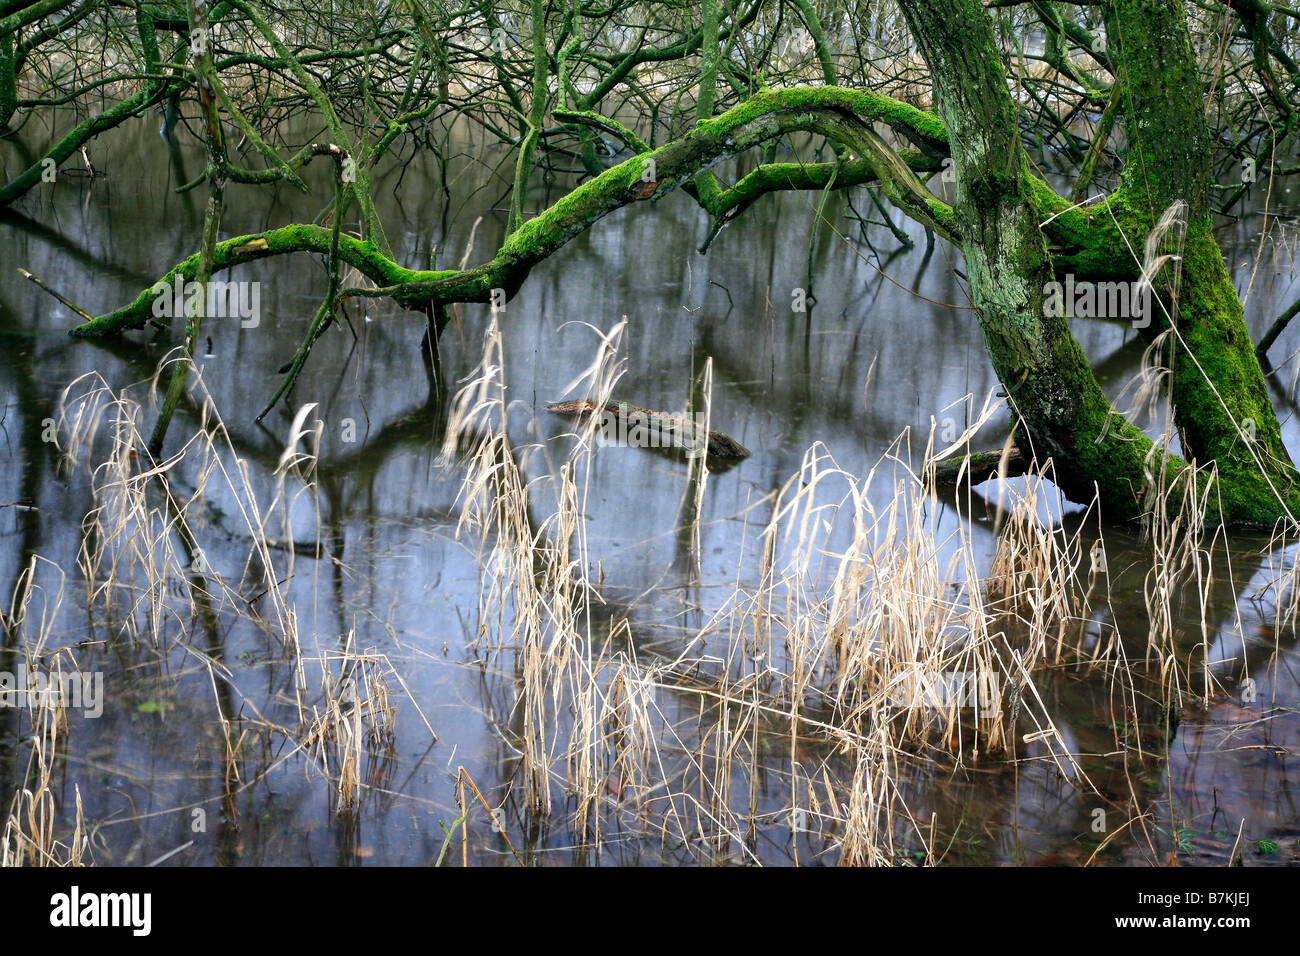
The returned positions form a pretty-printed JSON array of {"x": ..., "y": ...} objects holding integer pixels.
[
  {"x": 641, "y": 427},
  {"x": 978, "y": 467}
]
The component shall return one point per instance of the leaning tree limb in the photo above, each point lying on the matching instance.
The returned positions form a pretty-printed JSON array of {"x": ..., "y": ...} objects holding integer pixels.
[
  {"x": 1274, "y": 330},
  {"x": 845, "y": 115}
]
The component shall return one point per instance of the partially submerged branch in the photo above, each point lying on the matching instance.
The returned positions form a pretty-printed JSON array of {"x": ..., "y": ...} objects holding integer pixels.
[
  {"x": 978, "y": 467},
  {"x": 843, "y": 115}
]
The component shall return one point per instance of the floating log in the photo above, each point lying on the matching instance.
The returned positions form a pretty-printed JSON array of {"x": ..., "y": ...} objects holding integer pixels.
[
  {"x": 642, "y": 427},
  {"x": 979, "y": 467}
]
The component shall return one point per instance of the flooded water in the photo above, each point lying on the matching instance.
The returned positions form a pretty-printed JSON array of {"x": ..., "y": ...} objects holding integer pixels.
[{"x": 886, "y": 347}]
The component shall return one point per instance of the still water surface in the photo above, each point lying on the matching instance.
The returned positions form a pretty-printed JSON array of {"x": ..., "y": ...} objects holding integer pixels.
[{"x": 879, "y": 353}]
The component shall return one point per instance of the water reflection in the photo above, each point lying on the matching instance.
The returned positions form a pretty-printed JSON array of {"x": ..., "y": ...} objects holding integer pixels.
[{"x": 881, "y": 350}]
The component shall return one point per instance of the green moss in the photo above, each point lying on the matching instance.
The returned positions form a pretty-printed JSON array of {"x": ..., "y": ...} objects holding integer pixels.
[
  {"x": 244, "y": 249},
  {"x": 767, "y": 115},
  {"x": 860, "y": 103},
  {"x": 1096, "y": 241},
  {"x": 144, "y": 24},
  {"x": 8, "y": 81},
  {"x": 1222, "y": 393}
]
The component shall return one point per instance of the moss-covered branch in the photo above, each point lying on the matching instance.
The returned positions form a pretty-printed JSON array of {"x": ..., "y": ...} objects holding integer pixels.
[
  {"x": 841, "y": 114},
  {"x": 242, "y": 250}
]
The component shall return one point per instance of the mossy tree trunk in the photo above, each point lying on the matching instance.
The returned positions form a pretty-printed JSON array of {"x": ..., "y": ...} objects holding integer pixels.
[
  {"x": 1220, "y": 399},
  {"x": 1038, "y": 360},
  {"x": 1218, "y": 390},
  {"x": 8, "y": 81}
]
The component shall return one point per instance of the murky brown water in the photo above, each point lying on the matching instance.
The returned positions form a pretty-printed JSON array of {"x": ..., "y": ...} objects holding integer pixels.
[{"x": 403, "y": 585}]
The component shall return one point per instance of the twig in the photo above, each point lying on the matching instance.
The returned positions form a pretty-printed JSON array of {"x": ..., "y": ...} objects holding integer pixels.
[
  {"x": 464, "y": 775},
  {"x": 1261, "y": 350},
  {"x": 81, "y": 312}
]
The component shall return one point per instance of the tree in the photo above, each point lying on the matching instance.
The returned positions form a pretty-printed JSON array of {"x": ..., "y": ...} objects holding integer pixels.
[
  {"x": 1220, "y": 401},
  {"x": 507, "y": 69}
]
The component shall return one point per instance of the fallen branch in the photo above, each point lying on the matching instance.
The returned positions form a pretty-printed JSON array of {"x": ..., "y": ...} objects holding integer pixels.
[
  {"x": 1276, "y": 329},
  {"x": 978, "y": 467},
  {"x": 81, "y": 312},
  {"x": 644, "y": 428}
]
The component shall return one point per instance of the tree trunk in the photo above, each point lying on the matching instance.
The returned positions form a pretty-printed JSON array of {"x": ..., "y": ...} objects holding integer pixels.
[
  {"x": 1044, "y": 371},
  {"x": 1051, "y": 387},
  {"x": 1221, "y": 402}
]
